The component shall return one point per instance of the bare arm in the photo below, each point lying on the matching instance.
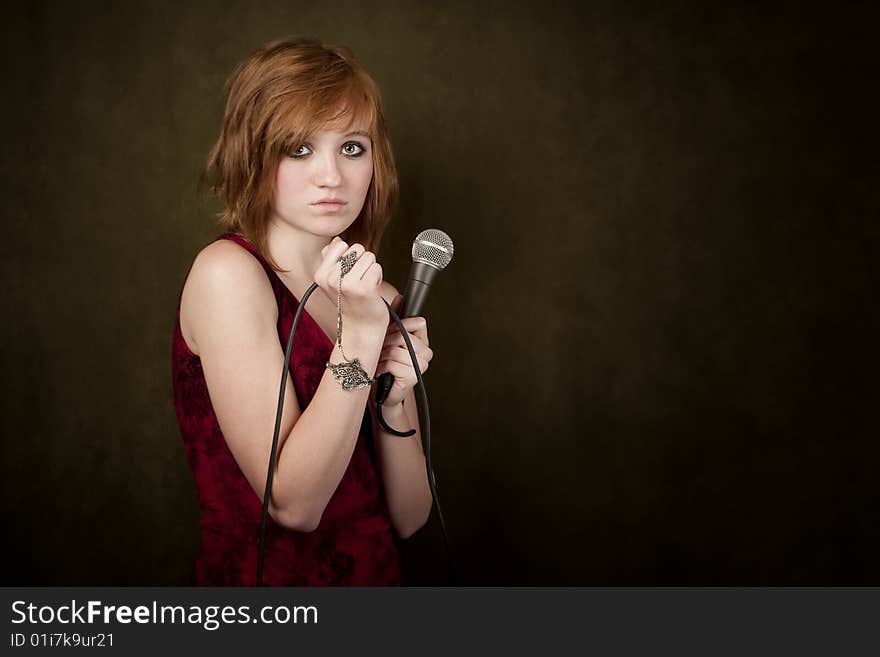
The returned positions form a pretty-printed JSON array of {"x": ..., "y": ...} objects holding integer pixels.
[
  {"x": 319, "y": 448},
  {"x": 402, "y": 460},
  {"x": 232, "y": 315},
  {"x": 402, "y": 467}
]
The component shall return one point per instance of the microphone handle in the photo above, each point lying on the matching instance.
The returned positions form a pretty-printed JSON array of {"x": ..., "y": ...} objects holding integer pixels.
[{"x": 421, "y": 276}]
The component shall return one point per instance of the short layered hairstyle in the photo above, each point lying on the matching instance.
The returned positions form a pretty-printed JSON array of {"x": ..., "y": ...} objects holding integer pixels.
[{"x": 277, "y": 97}]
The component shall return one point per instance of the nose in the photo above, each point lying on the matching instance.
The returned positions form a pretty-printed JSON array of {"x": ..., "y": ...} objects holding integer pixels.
[{"x": 326, "y": 171}]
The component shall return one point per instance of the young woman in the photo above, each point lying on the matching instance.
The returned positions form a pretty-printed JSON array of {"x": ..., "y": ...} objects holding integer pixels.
[{"x": 304, "y": 166}]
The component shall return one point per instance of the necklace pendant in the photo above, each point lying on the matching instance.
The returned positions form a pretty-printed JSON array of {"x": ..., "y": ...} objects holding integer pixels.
[{"x": 350, "y": 375}]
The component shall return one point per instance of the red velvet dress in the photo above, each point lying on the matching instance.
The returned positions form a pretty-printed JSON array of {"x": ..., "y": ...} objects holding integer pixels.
[{"x": 354, "y": 544}]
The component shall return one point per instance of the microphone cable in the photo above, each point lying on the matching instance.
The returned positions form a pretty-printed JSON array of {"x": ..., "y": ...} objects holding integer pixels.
[{"x": 270, "y": 475}]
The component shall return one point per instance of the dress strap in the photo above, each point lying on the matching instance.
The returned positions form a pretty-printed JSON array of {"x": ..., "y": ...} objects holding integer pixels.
[
  {"x": 243, "y": 242},
  {"x": 283, "y": 295}
]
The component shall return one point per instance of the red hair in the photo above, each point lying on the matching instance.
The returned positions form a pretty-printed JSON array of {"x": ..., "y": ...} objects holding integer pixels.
[{"x": 277, "y": 97}]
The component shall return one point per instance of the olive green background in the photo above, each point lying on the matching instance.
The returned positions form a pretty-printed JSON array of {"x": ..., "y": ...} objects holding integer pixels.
[{"x": 653, "y": 349}]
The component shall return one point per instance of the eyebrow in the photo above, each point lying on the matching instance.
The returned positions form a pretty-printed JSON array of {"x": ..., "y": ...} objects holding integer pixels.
[{"x": 358, "y": 132}]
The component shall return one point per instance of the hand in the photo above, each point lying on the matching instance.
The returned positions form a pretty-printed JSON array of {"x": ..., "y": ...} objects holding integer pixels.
[
  {"x": 395, "y": 357},
  {"x": 363, "y": 308}
]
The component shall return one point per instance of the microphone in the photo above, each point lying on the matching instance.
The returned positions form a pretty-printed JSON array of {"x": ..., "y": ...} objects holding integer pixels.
[{"x": 431, "y": 252}]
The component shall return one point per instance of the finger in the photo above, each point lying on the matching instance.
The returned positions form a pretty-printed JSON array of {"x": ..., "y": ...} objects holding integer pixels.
[
  {"x": 401, "y": 356},
  {"x": 420, "y": 331},
  {"x": 373, "y": 276},
  {"x": 365, "y": 259},
  {"x": 420, "y": 335},
  {"x": 401, "y": 353},
  {"x": 329, "y": 244},
  {"x": 371, "y": 279},
  {"x": 333, "y": 252},
  {"x": 395, "y": 335},
  {"x": 402, "y": 373},
  {"x": 413, "y": 325},
  {"x": 334, "y": 270},
  {"x": 396, "y": 342}
]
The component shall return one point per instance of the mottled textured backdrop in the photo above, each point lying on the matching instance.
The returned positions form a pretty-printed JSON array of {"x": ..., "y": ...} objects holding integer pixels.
[{"x": 652, "y": 350}]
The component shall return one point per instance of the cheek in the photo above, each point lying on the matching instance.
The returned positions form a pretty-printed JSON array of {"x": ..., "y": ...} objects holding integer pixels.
[
  {"x": 288, "y": 179},
  {"x": 286, "y": 173},
  {"x": 363, "y": 175},
  {"x": 288, "y": 187}
]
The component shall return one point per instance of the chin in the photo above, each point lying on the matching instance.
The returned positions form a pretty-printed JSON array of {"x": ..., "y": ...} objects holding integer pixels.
[
  {"x": 329, "y": 229},
  {"x": 336, "y": 227},
  {"x": 327, "y": 225}
]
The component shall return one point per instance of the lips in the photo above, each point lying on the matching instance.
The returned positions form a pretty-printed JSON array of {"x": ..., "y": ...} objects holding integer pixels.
[{"x": 328, "y": 206}]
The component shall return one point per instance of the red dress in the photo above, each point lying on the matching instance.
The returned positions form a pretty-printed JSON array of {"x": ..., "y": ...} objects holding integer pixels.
[{"x": 354, "y": 544}]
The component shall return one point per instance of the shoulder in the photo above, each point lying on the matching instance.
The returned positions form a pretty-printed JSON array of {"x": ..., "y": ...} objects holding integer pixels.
[
  {"x": 225, "y": 280},
  {"x": 225, "y": 259},
  {"x": 226, "y": 268}
]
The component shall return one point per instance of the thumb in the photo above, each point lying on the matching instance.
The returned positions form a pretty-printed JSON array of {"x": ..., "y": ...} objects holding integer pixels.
[{"x": 397, "y": 303}]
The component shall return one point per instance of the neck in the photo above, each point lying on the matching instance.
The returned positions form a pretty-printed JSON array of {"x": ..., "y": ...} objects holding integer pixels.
[{"x": 294, "y": 250}]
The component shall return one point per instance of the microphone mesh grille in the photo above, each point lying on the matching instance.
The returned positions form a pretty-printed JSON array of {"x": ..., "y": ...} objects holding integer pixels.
[{"x": 433, "y": 247}]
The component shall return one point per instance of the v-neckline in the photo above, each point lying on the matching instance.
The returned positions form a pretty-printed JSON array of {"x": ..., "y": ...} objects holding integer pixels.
[
  {"x": 253, "y": 251},
  {"x": 304, "y": 311}
]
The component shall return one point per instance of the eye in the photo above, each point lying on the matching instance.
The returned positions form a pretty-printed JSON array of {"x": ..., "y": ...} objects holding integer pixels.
[
  {"x": 298, "y": 152},
  {"x": 353, "y": 149}
]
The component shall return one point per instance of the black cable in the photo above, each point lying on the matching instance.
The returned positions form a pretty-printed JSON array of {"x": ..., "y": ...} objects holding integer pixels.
[
  {"x": 432, "y": 484},
  {"x": 270, "y": 475},
  {"x": 427, "y": 441},
  {"x": 394, "y": 432}
]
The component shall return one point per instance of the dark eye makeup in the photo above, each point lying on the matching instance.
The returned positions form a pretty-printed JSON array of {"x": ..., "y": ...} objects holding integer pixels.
[{"x": 351, "y": 149}]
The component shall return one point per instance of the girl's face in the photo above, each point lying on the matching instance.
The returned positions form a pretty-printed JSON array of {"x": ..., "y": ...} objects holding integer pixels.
[{"x": 320, "y": 187}]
